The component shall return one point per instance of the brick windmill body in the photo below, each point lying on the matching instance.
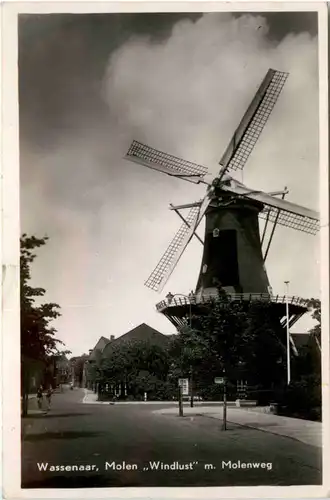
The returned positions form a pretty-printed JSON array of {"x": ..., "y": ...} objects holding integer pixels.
[{"x": 234, "y": 251}]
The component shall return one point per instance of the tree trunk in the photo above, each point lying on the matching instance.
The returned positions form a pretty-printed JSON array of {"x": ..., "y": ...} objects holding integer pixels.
[
  {"x": 25, "y": 388},
  {"x": 191, "y": 387},
  {"x": 25, "y": 404}
]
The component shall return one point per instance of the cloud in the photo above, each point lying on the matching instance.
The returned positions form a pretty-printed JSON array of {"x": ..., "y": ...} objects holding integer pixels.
[
  {"x": 187, "y": 94},
  {"x": 109, "y": 219}
]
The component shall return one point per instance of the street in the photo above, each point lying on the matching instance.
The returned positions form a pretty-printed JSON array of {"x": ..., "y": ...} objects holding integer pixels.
[{"x": 129, "y": 445}]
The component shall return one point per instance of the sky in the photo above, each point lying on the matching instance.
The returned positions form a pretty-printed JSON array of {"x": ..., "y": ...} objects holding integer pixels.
[{"x": 89, "y": 85}]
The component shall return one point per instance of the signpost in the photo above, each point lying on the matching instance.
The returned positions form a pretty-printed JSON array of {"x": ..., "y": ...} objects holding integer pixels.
[
  {"x": 184, "y": 384},
  {"x": 219, "y": 380}
]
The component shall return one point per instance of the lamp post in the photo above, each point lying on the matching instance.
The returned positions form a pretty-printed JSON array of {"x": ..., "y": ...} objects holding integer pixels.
[
  {"x": 170, "y": 297},
  {"x": 288, "y": 333}
]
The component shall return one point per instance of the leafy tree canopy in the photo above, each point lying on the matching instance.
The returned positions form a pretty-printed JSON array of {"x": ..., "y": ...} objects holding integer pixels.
[
  {"x": 37, "y": 333},
  {"x": 232, "y": 339},
  {"x": 38, "y": 341},
  {"x": 315, "y": 307},
  {"x": 127, "y": 359}
]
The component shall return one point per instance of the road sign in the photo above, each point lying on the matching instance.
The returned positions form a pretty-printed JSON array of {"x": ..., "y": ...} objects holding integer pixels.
[
  {"x": 219, "y": 380},
  {"x": 184, "y": 384}
]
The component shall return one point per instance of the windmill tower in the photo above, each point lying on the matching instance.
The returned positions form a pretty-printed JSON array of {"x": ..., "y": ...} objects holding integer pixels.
[{"x": 234, "y": 252}]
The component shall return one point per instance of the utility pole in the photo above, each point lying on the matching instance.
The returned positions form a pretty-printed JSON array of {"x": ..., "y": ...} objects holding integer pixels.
[
  {"x": 191, "y": 367},
  {"x": 288, "y": 334}
]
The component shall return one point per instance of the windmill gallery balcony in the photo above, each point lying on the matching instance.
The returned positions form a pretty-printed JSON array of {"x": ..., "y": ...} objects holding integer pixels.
[
  {"x": 194, "y": 299},
  {"x": 178, "y": 308}
]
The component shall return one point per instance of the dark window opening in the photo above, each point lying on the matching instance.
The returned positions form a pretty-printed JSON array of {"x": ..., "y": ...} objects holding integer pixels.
[{"x": 221, "y": 258}]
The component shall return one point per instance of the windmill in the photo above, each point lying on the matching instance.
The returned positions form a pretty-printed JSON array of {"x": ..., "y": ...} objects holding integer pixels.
[{"x": 234, "y": 251}]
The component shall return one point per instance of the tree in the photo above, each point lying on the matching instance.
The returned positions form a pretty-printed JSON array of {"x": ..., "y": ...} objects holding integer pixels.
[
  {"x": 264, "y": 352},
  {"x": 315, "y": 306},
  {"x": 138, "y": 365},
  {"x": 38, "y": 341},
  {"x": 232, "y": 339},
  {"x": 78, "y": 365},
  {"x": 61, "y": 370},
  {"x": 304, "y": 395}
]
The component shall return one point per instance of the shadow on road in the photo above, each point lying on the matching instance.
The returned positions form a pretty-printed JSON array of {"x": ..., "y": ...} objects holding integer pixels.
[{"x": 61, "y": 435}]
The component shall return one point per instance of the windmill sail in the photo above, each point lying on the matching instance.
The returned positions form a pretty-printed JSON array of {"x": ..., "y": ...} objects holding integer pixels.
[
  {"x": 163, "y": 162},
  {"x": 171, "y": 256},
  {"x": 287, "y": 213},
  {"x": 253, "y": 122},
  {"x": 290, "y": 219}
]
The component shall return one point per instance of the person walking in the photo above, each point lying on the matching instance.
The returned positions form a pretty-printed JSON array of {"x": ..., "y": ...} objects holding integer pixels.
[
  {"x": 49, "y": 397},
  {"x": 40, "y": 397}
]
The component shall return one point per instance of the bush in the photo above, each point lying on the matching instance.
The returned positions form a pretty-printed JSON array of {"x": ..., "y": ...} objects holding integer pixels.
[
  {"x": 157, "y": 390},
  {"x": 104, "y": 396},
  {"x": 263, "y": 397},
  {"x": 161, "y": 391},
  {"x": 214, "y": 392},
  {"x": 301, "y": 399}
]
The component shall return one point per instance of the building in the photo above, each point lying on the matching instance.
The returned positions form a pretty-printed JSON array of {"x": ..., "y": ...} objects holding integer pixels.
[{"x": 142, "y": 332}]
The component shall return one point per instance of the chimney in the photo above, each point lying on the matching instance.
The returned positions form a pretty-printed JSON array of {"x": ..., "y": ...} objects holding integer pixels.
[{"x": 112, "y": 337}]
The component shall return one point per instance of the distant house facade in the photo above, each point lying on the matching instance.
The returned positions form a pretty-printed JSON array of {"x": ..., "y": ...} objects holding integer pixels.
[
  {"x": 90, "y": 363},
  {"x": 62, "y": 370},
  {"x": 50, "y": 372}
]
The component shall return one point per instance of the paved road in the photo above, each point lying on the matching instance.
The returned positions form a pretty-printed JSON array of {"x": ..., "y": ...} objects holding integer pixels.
[{"x": 96, "y": 435}]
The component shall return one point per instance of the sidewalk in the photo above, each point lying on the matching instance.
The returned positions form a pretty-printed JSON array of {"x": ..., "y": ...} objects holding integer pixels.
[
  {"x": 305, "y": 431},
  {"x": 91, "y": 398},
  {"x": 33, "y": 408},
  {"x": 30, "y": 396}
]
